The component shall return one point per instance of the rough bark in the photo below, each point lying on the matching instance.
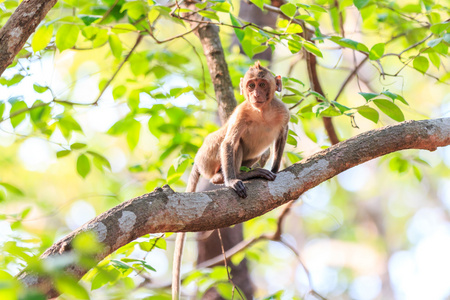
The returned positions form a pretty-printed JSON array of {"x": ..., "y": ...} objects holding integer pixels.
[
  {"x": 19, "y": 27},
  {"x": 164, "y": 210},
  {"x": 218, "y": 68}
]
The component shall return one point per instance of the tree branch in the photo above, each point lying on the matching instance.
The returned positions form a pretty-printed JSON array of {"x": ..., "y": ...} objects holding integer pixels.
[
  {"x": 19, "y": 27},
  {"x": 208, "y": 35},
  {"x": 164, "y": 210}
]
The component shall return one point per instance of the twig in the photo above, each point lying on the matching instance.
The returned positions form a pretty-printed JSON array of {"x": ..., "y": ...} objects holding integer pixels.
[
  {"x": 277, "y": 235},
  {"x": 171, "y": 38},
  {"x": 409, "y": 48},
  {"x": 226, "y": 267},
  {"x": 350, "y": 77},
  {"x": 341, "y": 18},
  {"x": 139, "y": 39},
  {"x": 109, "y": 11}
]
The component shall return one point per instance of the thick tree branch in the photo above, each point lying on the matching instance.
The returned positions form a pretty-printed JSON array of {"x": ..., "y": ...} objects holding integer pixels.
[
  {"x": 164, "y": 210},
  {"x": 208, "y": 35},
  {"x": 19, "y": 27}
]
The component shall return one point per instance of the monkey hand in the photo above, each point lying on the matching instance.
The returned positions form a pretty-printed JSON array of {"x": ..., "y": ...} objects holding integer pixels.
[{"x": 238, "y": 186}]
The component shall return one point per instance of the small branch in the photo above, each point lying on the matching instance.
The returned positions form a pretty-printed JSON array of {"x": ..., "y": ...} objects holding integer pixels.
[
  {"x": 109, "y": 11},
  {"x": 18, "y": 28},
  {"x": 138, "y": 40},
  {"x": 226, "y": 267},
  {"x": 350, "y": 77},
  {"x": 410, "y": 47},
  {"x": 341, "y": 18},
  {"x": 172, "y": 38}
]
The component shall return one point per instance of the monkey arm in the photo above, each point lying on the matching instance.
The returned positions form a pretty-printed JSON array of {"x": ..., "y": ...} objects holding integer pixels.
[
  {"x": 279, "y": 148},
  {"x": 231, "y": 158}
]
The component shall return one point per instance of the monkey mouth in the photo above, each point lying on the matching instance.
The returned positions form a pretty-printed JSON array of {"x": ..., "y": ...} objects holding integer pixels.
[{"x": 260, "y": 101}]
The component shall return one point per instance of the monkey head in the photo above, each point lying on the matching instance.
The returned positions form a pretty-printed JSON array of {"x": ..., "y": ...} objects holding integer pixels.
[{"x": 259, "y": 85}]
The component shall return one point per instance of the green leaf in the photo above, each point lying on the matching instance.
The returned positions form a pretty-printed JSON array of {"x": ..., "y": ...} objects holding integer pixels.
[
  {"x": 308, "y": 19},
  {"x": 252, "y": 43},
  {"x": 14, "y": 80},
  {"x": 70, "y": 286},
  {"x": 377, "y": 51},
  {"x": 310, "y": 47},
  {"x": 134, "y": 9},
  {"x": 317, "y": 8},
  {"x": 360, "y": 3},
  {"x": 368, "y": 96},
  {"x": 89, "y": 19},
  {"x": 259, "y": 3},
  {"x": 123, "y": 28},
  {"x": 83, "y": 165},
  {"x": 76, "y": 146},
  {"x": 439, "y": 28},
  {"x": 239, "y": 32},
  {"x": 12, "y": 189},
  {"x": 341, "y": 107},
  {"x": 291, "y": 140},
  {"x": 421, "y": 64},
  {"x": 67, "y": 36},
  {"x": 133, "y": 133},
  {"x": 435, "y": 59},
  {"x": 209, "y": 14},
  {"x": 369, "y": 113},
  {"x": 398, "y": 164},
  {"x": 294, "y": 157},
  {"x": 390, "y": 95},
  {"x": 42, "y": 37},
  {"x": 2, "y": 109},
  {"x": 40, "y": 89},
  {"x": 289, "y": 9},
  {"x": 294, "y": 46},
  {"x": 435, "y": 42},
  {"x": 100, "y": 161},
  {"x": 401, "y": 99},
  {"x": 100, "y": 38},
  {"x": 121, "y": 266},
  {"x": 119, "y": 91},
  {"x": 294, "y": 28},
  {"x": 62, "y": 153},
  {"x": 390, "y": 109},
  {"x": 19, "y": 108},
  {"x": 116, "y": 45},
  {"x": 222, "y": 7},
  {"x": 418, "y": 173}
]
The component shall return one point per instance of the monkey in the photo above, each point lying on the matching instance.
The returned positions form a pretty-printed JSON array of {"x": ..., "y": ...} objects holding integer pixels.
[{"x": 255, "y": 124}]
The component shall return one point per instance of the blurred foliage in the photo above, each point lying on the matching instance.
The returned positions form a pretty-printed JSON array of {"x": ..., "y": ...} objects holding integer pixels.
[{"x": 110, "y": 99}]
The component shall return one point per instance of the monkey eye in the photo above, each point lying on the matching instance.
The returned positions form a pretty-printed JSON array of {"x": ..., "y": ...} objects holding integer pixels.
[
  {"x": 262, "y": 84},
  {"x": 252, "y": 85}
]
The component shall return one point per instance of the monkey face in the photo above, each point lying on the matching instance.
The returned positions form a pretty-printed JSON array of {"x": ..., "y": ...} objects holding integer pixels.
[{"x": 258, "y": 92}]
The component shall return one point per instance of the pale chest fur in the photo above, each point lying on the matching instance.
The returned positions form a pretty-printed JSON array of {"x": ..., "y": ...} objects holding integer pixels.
[{"x": 262, "y": 131}]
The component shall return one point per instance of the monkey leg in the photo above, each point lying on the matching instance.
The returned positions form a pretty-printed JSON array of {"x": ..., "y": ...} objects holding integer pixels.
[
  {"x": 257, "y": 173},
  {"x": 217, "y": 178}
]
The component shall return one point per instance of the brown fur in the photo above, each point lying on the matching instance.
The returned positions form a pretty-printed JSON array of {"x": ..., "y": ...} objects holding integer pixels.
[
  {"x": 254, "y": 125},
  {"x": 261, "y": 120}
]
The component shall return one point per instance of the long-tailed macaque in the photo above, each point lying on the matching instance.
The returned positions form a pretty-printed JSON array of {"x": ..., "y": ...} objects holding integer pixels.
[{"x": 258, "y": 122}]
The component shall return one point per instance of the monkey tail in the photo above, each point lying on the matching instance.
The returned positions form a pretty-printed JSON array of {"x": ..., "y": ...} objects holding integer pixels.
[
  {"x": 179, "y": 241},
  {"x": 176, "y": 270},
  {"x": 193, "y": 179}
]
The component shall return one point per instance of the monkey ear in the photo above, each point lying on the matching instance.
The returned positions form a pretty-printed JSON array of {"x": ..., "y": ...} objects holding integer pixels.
[
  {"x": 278, "y": 83},
  {"x": 241, "y": 87}
]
